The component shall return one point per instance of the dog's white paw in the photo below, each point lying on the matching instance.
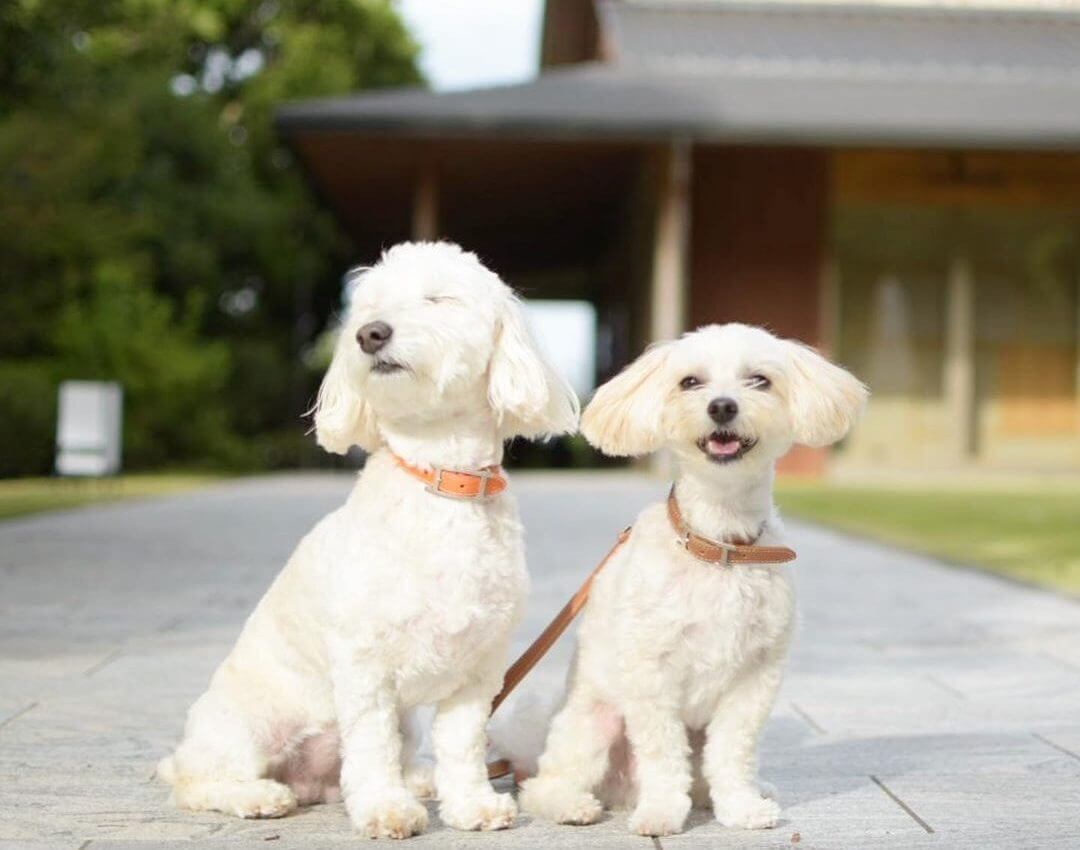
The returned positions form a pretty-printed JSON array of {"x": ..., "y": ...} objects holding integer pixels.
[
  {"x": 262, "y": 798},
  {"x": 559, "y": 801},
  {"x": 395, "y": 814},
  {"x": 746, "y": 808},
  {"x": 487, "y": 812},
  {"x": 702, "y": 796},
  {"x": 656, "y": 815},
  {"x": 420, "y": 780}
]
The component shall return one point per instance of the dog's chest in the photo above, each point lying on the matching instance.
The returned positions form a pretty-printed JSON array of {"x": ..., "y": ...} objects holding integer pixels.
[
  {"x": 731, "y": 621},
  {"x": 433, "y": 596}
]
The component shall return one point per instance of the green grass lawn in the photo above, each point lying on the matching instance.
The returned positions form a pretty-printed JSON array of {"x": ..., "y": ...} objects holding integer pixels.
[
  {"x": 19, "y": 496},
  {"x": 1027, "y": 532}
]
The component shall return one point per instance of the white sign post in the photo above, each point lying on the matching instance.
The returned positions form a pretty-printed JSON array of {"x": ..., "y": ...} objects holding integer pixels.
[{"x": 89, "y": 426}]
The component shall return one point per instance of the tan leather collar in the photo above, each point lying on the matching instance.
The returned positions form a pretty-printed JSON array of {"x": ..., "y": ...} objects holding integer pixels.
[
  {"x": 725, "y": 554},
  {"x": 457, "y": 483}
]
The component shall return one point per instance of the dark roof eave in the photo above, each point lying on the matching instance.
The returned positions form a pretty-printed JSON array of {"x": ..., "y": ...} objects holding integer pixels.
[
  {"x": 635, "y": 106},
  {"x": 291, "y": 124},
  {"x": 294, "y": 123}
]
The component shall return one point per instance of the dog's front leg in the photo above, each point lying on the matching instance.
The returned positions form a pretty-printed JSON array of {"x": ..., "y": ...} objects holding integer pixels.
[
  {"x": 466, "y": 798},
  {"x": 658, "y": 736},
  {"x": 374, "y": 791},
  {"x": 729, "y": 760}
]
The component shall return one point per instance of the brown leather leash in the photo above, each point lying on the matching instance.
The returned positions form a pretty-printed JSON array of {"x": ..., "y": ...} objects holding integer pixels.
[
  {"x": 539, "y": 647},
  {"x": 547, "y": 638},
  {"x": 702, "y": 548}
]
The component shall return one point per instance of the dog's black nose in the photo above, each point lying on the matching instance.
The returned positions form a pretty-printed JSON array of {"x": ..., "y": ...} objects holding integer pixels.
[
  {"x": 722, "y": 410},
  {"x": 373, "y": 336}
]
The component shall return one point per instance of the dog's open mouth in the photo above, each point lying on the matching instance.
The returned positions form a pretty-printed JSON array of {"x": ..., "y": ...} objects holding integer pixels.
[
  {"x": 725, "y": 446},
  {"x": 386, "y": 367}
]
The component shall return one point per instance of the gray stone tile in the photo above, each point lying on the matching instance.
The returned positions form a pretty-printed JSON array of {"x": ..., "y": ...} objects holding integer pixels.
[{"x": 958, "y": 692}]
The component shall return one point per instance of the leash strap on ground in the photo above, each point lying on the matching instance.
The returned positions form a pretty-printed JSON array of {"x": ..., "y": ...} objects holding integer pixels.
[{"x": 539, "y": 647}]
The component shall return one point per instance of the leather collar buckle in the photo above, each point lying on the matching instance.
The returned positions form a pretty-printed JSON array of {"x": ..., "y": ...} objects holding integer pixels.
[
  {"x": 726, "y": 549},
  {"x": 484, "y": 475},
  {"x": 480, "y": 485},
  {"x": 721, "y": 552}
]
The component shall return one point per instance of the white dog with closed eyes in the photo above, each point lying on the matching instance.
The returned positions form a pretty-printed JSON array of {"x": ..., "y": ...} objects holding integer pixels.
[
  {"x": 683, "y": 640},
  {"x": 401, "y": 597}
]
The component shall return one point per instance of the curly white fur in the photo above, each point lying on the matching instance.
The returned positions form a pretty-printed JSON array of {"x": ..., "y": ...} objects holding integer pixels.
[
  {"x": 399, "y": 598},
  {"x": 678, "y": 661}
]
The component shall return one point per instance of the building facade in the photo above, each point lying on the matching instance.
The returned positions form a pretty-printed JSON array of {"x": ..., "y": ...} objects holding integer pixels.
[{"x": 897, "y": 184}]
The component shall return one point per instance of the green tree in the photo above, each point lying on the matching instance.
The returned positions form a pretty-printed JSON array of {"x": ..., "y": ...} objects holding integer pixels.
[
  {"x": 138, "y": 164},
  {"x": 125, "y": 331}
]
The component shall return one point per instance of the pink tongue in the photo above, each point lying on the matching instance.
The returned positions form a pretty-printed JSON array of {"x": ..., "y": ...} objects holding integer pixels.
[{"x": 717, "y": 447}]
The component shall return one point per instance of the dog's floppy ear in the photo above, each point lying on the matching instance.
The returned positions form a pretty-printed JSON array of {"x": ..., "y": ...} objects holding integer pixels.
[
  {"x": 529, "y": 399},
  {"x": 342, "y": 418},
  {"x": 625, "y": 415},
  {"x": 825, "y": 399}
]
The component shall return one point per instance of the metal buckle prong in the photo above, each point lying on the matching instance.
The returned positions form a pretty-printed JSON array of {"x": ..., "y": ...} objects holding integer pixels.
[{"x": 726, "y": 548}]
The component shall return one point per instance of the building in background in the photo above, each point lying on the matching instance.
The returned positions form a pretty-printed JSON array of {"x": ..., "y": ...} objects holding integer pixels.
[{"x": 897, "y": 184}]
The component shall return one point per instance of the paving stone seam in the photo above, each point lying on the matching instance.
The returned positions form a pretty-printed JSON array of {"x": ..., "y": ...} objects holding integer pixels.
[
  {"x": 1056, "y": 746},
  {"x": 24, "y": 710},
  {"x": 907, "y": 809}
]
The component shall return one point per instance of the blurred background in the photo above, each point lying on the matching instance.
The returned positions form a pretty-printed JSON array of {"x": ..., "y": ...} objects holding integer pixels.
[{"x": 184, "y": 184}]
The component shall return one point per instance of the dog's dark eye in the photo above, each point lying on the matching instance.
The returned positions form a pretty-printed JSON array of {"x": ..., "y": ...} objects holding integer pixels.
[
  {"x": 689, "y": 382},
  {"x": 440, "y": 299},
  {"x": 759, "y": 382}
]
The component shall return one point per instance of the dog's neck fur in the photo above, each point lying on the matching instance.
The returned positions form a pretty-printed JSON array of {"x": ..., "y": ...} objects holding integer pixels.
[
  {"x": 725, "y": 504},
  {"x": 465, "y": 440}
]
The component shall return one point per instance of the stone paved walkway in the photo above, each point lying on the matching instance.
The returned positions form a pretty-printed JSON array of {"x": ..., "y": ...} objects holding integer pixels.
[{"x": 926, "y": 706}]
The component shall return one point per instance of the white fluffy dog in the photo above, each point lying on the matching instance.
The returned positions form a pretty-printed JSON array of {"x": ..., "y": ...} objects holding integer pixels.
[
  {"x": 400, "y": 597},
  {"x": 679, "y": 658}
]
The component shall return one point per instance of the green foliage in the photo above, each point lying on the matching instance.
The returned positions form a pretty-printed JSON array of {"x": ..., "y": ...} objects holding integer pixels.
[
  {"x": 152, "y": 228},
  {"x": 124, "y": 331},
  {"x": 28, "y": 419}
]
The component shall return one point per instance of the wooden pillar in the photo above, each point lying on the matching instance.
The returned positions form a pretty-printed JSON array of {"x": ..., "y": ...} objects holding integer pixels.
[
  {"x": 1076, "y": 350},
  {"x": 828, "y": 337},
  {"x": 425, "y": 209},
  {"x": 960, "y": 357},
  {"x": 668, "y": 288}
]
